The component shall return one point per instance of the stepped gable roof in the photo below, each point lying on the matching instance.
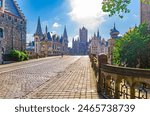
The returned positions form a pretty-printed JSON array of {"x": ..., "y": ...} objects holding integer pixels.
[{"x": 12, "y": 8}]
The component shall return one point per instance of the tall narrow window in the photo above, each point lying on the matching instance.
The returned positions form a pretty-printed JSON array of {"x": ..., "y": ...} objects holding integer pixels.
[
  {"x": 1, "y": 3},
  {"x": 1, "y": 33}
]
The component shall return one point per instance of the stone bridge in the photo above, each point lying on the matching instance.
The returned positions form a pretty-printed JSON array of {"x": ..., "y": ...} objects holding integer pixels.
[{"x": 120, "y": 82}]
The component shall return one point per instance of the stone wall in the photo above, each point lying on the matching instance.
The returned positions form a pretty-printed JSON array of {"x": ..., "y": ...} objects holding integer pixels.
[
  {"x": 120, "y": 82},
  {"x": 14, "y": 32}
]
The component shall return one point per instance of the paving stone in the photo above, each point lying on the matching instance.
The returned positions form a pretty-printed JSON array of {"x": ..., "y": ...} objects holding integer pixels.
[{"x": 50, "y": 78}]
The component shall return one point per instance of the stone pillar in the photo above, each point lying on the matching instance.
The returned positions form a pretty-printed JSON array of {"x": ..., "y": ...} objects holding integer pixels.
[
  {"x": 117, "y": 88},
  {"x": 132, "y": 92},
  {"x": 102, "y": 59}
]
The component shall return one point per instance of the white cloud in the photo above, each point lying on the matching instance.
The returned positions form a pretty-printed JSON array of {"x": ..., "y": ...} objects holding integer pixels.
[
  {"x": 135, "y": 15},
  {"x": 56, "y": 25},
  {"x": 87, "y": 13},
  {"x": 30, "y": 38}
]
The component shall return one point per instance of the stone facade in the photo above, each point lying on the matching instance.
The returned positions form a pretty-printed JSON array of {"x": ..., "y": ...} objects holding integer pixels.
[
  {"x": 48, "y": 44},
  {"x": 12, "y": 27},
  {"x": 97, "y": 45},
  {"x": 145, "y": 12},
  {"x": 80, "y": 46},
  {"x": 115, "y": 82}
]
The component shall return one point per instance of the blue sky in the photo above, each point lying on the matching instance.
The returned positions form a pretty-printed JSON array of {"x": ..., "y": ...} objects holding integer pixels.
[{"x": 75, "y": 14}]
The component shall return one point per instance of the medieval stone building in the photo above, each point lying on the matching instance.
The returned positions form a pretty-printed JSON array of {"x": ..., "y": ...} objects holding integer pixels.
[
  {"x": 80, "y": 45},
  {"x": 48, "y": 43},
  {"x": 145, "y": 12},
  {"x": 97, "y": 45},
  {"x": 12, "y": 27}
]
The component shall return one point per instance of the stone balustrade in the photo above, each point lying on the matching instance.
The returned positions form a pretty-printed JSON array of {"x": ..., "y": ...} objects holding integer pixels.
[{"x": 115, "y": 82}]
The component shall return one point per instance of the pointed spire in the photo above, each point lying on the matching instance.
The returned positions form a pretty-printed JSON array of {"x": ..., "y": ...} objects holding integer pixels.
[
  {"x": 114, "y": 25},
  {"x": 98, "y": 35},
  {"x": 94, "y": 35},
  {"x": 65, "y": 33},
  {"x": 46, "y": 29},
  {"x": 39, "y": 28}
]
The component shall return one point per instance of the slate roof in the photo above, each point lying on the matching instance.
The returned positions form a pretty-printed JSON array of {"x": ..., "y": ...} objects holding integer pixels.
[{"x": 11, "y": 8}]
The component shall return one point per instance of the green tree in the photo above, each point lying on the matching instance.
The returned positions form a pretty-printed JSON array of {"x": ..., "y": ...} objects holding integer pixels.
[
  {"x": 133, "y": 48},
  {"x": 118, "y": 7}
]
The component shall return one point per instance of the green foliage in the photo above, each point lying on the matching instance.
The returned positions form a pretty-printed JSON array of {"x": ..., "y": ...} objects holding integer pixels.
[
  {"x": 118, "y": 7},
  {"x": 17, "y": 55},
  {"x": 133, "y": 48}
]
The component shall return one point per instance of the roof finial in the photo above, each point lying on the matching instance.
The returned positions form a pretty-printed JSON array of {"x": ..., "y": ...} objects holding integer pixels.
[{"x": 114, "y": 25}]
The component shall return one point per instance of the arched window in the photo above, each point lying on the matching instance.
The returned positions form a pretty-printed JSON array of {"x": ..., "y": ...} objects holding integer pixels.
[
  {"x": 1, "y": 33},
  {"x": 1, "y": 3}
]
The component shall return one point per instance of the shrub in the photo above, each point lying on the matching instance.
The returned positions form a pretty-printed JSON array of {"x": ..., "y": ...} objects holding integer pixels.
[{"x": 17, "y": 55}]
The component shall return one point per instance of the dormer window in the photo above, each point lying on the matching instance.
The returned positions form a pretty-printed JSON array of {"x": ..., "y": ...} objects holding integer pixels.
[{"x": 1, "y": 33}]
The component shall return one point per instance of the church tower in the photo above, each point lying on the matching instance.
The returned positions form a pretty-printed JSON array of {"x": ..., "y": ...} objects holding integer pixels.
[
  {"x": 114, "y": 32},
  {"x": 65, "y": 41},
  {"x": 38, "y": 36},
  {"x": 114, "y": 35},
  {"x": 39, "y": 29}
]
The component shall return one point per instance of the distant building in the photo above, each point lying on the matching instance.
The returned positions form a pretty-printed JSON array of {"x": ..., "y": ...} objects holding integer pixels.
[
  {"x": 65, "y": 41},
  {"x": 145, "y": 12},
  {"x": 83, "y": 45},
  {"x": 47, "y": 44},
  {"x": 114, "y": 33},
  {"x": 75, "y": 46},
  {"x": 98, "y": 46},
  {"x": 30, "y": 50},
  {"x": 12, "y": 27},
  {"x": 80, "y": 45}
]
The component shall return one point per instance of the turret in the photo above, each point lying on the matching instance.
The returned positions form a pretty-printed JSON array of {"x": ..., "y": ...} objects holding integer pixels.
[{"x": 114, "y": 32}]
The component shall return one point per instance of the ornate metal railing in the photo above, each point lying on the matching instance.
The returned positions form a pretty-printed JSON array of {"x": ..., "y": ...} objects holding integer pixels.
[{"x": 120, "y": 82}]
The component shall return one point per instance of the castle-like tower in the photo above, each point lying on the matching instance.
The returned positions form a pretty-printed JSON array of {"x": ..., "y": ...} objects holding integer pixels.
[
  {"x": 114, "y": 33},
  {"x": 38, "y": 36},
  {"x": 145, "y": 12},
  {"x": 49, "y": 43},
  {"x": 83, "y": 47},
  {"x": 12, "y": 27}
]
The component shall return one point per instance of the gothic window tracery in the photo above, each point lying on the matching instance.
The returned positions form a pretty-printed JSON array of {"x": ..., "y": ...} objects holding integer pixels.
[{"x": 124, "y": 90}]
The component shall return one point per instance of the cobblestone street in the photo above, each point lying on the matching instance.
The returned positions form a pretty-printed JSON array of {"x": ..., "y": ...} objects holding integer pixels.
[{"x": 69, "y": 77}]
